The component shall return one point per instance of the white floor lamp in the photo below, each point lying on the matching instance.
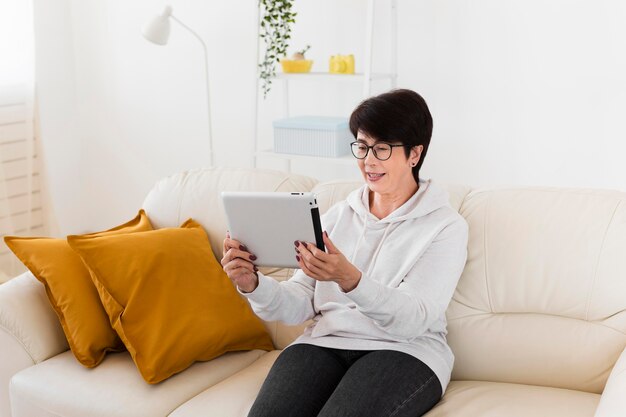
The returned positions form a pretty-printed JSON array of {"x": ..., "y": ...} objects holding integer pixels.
[{"x": 157, "y": 31}]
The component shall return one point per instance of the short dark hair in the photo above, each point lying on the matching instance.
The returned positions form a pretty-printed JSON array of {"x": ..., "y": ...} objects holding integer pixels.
[{"x": 398, "y": 115}]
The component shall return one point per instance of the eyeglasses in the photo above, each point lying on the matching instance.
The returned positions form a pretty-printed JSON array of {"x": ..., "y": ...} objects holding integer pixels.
[{"x": 382, "y": 151}]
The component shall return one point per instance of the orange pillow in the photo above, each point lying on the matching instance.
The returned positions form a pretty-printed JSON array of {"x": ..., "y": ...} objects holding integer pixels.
[
  {"x": 71, "y": 290},
  {"x": 169, "y": 299}
]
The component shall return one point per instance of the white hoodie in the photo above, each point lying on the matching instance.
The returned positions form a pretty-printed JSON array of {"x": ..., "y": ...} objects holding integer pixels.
[{"x": 410, "y": 262}]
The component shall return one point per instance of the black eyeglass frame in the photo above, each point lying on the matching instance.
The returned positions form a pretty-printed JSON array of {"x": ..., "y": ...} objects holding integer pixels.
[{"x": 373, "y": 151}]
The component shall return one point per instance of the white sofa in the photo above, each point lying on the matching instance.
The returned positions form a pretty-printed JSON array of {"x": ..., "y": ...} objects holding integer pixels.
[{"x": 537, "y": 323}]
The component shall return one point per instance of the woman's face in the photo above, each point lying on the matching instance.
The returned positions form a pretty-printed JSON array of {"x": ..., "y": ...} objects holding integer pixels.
[{"x": 391, "y": 175}]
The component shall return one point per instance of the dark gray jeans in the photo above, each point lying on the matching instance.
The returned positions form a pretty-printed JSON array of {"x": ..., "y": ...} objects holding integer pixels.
[{"x": 308, "y": 380}]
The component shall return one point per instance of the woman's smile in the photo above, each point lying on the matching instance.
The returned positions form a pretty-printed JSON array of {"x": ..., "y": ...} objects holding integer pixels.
[{"x": 373, "y": 176}]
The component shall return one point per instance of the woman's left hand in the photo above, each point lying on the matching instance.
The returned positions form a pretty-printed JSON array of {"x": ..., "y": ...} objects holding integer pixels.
[{"x": 331, "y": 266}]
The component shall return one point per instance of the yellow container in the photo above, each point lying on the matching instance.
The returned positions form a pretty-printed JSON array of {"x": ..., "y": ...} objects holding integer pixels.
[
  {"x": 296, "y": 65},
  {"x": 341, "y": 64}
]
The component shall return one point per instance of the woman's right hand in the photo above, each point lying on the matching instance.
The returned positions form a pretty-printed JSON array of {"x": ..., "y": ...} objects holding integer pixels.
[{"x": 237, "y": 263}]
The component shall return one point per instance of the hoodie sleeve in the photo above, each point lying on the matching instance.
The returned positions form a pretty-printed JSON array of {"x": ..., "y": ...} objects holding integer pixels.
[
  {"x": 288, "y": 301},
  {"x": 422, "y": 298}
]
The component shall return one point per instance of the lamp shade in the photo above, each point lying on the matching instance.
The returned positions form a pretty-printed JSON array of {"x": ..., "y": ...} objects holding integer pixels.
[{"x": 157, "y": 29}]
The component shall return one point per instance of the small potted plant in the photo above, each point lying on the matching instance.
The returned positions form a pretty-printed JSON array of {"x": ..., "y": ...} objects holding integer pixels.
[{"x": 297, "y": 63}]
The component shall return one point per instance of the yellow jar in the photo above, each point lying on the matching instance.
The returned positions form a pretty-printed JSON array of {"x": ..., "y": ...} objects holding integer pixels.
[{"x": 341, "y": 64}]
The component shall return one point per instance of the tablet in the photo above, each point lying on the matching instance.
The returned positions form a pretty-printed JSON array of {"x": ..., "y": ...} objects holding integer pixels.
[{"x": 269, "y": 223}]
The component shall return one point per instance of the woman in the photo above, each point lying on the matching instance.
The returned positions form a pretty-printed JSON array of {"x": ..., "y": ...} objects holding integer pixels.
[{"x": 377, "y": 297}]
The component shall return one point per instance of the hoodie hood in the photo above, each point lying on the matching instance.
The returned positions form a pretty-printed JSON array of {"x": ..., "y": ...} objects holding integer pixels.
[{"x": 428, "y": 198}]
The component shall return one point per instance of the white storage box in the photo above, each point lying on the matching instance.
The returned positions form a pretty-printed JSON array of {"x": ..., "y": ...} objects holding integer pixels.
[{"x": 312, "y": 135}]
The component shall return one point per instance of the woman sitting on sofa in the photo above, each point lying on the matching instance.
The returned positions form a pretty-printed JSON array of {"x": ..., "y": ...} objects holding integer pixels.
[{"x": 378, "y": 296}]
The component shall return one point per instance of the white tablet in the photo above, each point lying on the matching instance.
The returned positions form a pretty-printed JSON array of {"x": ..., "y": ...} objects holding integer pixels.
[{"x": 269, "y": 223}]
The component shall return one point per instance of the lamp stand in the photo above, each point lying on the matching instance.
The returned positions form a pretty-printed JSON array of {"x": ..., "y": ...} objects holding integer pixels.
[{"x": 208, "y": 95}]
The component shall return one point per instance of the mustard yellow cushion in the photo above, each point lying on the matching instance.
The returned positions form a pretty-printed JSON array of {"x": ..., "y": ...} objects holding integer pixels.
[
  {"x": 169, "y": 299},
  {"x": 71, "y": 290}
]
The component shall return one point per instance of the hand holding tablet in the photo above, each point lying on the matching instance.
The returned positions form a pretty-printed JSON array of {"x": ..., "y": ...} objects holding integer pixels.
[
  {"x": 331, "y": 266},
  {"x": 238, "y": 265},
  {"x": 278, "y": 229}
]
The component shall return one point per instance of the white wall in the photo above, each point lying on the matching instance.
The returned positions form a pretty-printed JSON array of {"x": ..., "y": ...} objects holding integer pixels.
[
  {"x": 60, "y": 147},
  {"x": 16, "y": 44},
  {"x": 521, "y": 92},
  {"x": 528, "y": 92}
]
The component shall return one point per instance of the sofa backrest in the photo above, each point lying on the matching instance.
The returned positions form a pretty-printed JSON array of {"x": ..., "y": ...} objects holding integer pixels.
[{"x": 542, "y": 299}]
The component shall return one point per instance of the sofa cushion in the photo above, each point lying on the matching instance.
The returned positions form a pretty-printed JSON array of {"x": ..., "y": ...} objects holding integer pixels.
[
  {"x": 329, "y": 193},
  {"x": 232, "y": 397},
  {"x": 169, "y": 299},
  {"x": 60, "y": 386},
  {"x": 71, "y": 291},
  {"x": 493, "y": 399},
  {"x": 542, "y": 298}
]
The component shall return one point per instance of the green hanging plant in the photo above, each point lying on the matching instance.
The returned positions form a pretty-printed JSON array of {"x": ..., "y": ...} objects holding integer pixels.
[{"x": 276, "y": 20}]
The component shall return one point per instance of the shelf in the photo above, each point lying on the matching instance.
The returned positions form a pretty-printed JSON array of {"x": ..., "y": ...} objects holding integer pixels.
[
  {"x": 367, "y": 77},
  {"x": 326, "y": 76},
  {"x": 344, "y": 160}
]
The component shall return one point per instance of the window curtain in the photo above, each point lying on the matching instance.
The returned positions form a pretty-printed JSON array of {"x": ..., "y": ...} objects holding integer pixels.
[{"x": 20, "y": 194}]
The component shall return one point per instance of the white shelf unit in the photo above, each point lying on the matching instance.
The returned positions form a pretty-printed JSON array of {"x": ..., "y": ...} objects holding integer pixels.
[{"x": 365, "y": 78}]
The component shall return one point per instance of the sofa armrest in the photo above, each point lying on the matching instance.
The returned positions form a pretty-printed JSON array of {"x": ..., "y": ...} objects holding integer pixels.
[
  {"x": 30, "y": 331},
  {"x": 613, "y": 401},
  {"x": 27, "y": 316}
]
